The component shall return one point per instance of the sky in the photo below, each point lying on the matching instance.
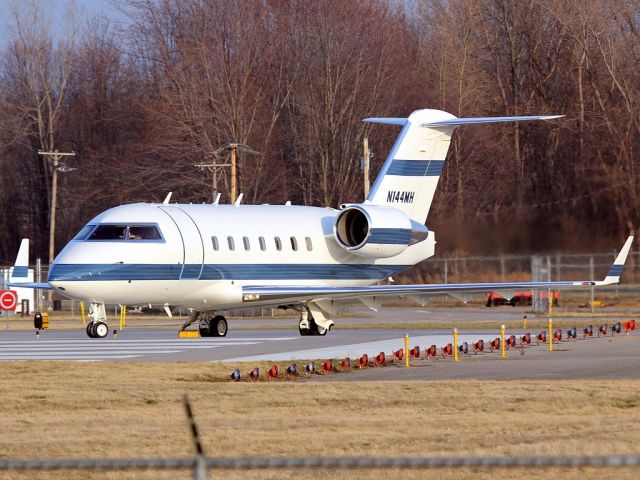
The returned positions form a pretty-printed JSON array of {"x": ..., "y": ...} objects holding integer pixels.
[{"x": 56, "y": 9}]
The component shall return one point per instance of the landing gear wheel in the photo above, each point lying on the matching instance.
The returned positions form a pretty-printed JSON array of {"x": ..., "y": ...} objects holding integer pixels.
[
  {"x": 320, "y": 330},
  {"x": 204, "y": 326},
  {"x": 305, "y": 331},
  {"x": 218, "y": 326},
  {"x": 90, "y": 332},
  {"x": 100, "y": 330}
]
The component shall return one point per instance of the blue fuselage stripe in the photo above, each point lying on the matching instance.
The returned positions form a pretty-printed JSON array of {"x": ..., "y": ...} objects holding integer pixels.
[
  {"x": 416, "y": 168},
  {"x": 115, "y": 272}
]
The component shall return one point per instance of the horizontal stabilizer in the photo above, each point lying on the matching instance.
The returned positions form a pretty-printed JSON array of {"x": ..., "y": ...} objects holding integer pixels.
[
  {"x": 454, "y": 122},
  {"x": 387, "y": 120}
]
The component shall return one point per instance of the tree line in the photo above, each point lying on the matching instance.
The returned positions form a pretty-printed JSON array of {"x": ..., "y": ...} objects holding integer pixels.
[{"x": 144, "y": 99}]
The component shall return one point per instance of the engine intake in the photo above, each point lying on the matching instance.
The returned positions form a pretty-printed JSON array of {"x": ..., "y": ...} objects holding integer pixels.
[{"x": 375, "y": 231}]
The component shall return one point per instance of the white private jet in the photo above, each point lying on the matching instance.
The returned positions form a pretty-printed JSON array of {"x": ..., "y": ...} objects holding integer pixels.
[{"x": 210, "y": 258}]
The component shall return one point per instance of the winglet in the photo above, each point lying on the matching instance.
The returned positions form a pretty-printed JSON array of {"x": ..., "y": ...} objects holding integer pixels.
[
  {"x": 20, "y": 270},
  {"x": 615, "y": 271}
]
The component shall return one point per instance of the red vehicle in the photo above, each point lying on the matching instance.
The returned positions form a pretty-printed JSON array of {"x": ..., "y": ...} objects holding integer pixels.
[{"x": 520, "y": 298}]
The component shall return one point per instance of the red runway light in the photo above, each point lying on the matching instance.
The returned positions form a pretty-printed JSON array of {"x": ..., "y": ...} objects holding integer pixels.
[
  {"x": 588, "y": 331},
  {"x": 495, "y": 344},
  {"x": 557, "y": 335},
  {"x": 541, "y": 337},
  {"x": 363, "y": 361},
  {"x": 630, "y": 325},
  {"x": 447, "y": 350},
  {"x": 478, "y": 346},
  {"x": 414, "y": 352},
  {"x": 511, "y": 341},
  {"x": 254, "y": 374},
  {"x": 346, "y": 363},
  {"x": 431, "y": 351},
  {"x": 398, "y": 354},
  {"x": 603, "y": 329},
  {"x": 273, "y": 372},
  {"x": 525, "y": 339},
  {"x": 380, "y": 360},
  {"x": 327, "y": 366}
]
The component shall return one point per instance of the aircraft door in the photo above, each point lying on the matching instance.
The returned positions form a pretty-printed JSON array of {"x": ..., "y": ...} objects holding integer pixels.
[{"x": 192, "y": 245}]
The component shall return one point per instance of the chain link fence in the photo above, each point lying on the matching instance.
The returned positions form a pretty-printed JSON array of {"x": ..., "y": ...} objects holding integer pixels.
[{"x": 443, "y": 269}]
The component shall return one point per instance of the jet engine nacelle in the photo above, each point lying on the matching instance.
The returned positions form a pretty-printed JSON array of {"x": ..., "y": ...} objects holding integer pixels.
[{"x": 375, "y": 231}]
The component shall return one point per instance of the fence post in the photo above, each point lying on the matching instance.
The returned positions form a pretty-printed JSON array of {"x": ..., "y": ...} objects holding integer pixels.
[{"x": 591, "y": 275}]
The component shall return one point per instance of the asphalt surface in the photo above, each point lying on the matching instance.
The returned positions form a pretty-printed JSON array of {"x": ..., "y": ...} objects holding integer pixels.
[{"x": 592, "y": 358}]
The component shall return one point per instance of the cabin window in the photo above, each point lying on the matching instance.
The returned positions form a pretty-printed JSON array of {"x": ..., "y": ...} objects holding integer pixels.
[
  {"x": 278, "y": 243},
  {"x": 307, "y": 240},
  {"x": 232, "y": 244},
  {"x": 144, "y": 232},
  {"x": 294, "y": 244},
  {"x": 84, "y": 232},
  {"x": 245, "y": 241},
  {"x": 263, "y": 244},
  {"x": 109, "y": 232},
  {"x": 216, "y": 245}
]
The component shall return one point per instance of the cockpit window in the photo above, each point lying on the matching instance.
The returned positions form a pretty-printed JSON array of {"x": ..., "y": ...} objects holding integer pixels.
[
  {"x": 144, "y": 232},
  {"x": 82, "y": 234},
  {"x": 109, "y": 232}
]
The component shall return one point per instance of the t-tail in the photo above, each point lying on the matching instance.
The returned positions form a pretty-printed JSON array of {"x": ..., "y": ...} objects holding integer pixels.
[{"x": 410, "y": 174}]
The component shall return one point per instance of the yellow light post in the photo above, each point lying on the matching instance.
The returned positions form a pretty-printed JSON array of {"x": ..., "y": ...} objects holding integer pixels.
[
  {"x": 455, "y": 344},
  {"x": 550, "y": 335},
  {"x": 406, "y": 351},
  {"x": 82, "y": 313},
  {"x": 503, "y": 349}
]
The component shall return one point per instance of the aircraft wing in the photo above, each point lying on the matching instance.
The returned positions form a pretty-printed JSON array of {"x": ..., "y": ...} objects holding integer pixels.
[{"x": 295, "y": 294}]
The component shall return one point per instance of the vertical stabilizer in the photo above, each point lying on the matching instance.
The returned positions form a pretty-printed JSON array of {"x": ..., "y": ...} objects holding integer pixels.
[
  {"x": 410, "y": 174},
  {"x": 20, "y": 270}
]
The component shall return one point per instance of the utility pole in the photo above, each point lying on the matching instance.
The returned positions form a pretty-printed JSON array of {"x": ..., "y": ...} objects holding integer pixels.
[
  {"x": 55, "y": 157},
  {"x": 213, "y": 167},
  {"x": 234, "y": 172},
  {"x": 367, "y": 185}
]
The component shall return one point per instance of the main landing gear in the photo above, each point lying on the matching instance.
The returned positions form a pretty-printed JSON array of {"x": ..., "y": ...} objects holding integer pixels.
[
  {"x": 209, "y": 325},
  {"x": 309, "y": 325},
  {"x": 97, "y": 327}
]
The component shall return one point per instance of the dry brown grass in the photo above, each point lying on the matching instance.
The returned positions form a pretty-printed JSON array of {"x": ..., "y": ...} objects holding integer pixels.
[{"x": 60, "y": 409}]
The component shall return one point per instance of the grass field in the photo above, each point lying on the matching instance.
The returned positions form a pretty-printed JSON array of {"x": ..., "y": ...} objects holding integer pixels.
[{"x": 59, "y": 409}]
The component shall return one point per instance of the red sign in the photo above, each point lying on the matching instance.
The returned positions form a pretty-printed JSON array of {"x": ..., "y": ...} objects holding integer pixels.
[{"x": 8, "y": 300}]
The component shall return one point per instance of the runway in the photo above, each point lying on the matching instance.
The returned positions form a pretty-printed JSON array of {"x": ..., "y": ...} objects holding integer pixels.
[
  {"x": 248, "y": 341},
  {"x": 594, "y": 358}
]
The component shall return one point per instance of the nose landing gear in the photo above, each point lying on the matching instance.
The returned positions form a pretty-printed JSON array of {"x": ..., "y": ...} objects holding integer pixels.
[{"x": 97, "y": 327}]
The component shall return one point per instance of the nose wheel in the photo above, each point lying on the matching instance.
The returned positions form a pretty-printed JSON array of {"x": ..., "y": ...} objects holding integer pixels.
[{"x": 97, "y": 329}]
